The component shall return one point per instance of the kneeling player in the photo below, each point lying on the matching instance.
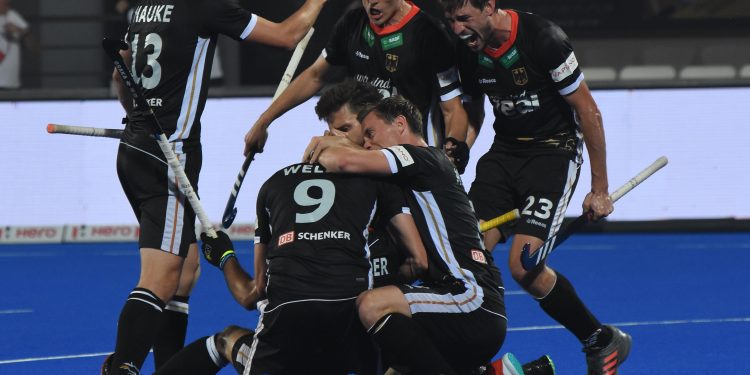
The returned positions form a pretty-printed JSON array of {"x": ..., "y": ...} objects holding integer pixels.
[{"x": 311, "y": 263}]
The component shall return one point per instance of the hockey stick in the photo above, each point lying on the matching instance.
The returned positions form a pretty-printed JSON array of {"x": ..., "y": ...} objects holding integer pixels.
[
  {"x": 500, "y": 220},
  {"x": 112, "y": 47},
  {"x": 230, "y": 211},
  {"x": 84, "y": 130},
  {"x": 530, "y": 260}
]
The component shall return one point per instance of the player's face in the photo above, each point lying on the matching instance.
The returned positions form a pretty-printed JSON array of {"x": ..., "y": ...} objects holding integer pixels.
[
  {"x": 381, "y": 12},
  {"x": 378, "y": 133},
  {"x": 344, "y": 123},
  {"x": 472, "y": 25}
]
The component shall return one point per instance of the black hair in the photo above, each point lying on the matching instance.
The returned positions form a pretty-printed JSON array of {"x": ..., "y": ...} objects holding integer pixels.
[
  {"x": 359, "y": 96},
  {"x": 450, "y": 5},
  {"x": 390, "y": 108}
]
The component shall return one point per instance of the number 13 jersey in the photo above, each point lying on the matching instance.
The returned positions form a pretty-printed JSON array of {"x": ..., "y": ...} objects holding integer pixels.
[{"x": 172, "y": 44}]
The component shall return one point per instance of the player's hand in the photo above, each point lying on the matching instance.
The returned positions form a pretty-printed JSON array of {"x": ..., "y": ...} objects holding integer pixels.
[
  {"x": 256, "y": 137},
  {"x": 217, "y": 250},
  {"x": 597, "y": 205},
  {"x": 319, "y": 144},
  {"x": 411, "y": 270},
  {"x": 458, "y": 153}
]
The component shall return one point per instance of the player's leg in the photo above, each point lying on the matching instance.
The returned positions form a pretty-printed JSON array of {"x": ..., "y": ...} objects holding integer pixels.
[
  {"x": 141, "y": 315},
  {"x": 171, "y": 337},
  {"x": 491, "y": 196},
  {"x": 166, "y": 231},
  {"x": 467, "y": 328},
  {"x": 208, "y": 355},
  {"x": 386, "y": 315},
  {"x": 546, "y": 184}
]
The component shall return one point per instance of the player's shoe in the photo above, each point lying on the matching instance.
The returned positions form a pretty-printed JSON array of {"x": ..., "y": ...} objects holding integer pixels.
[
  {"x": 605, "y": 360},
  {"x": 507, "y": 365},
  {"x": 541, "y": 366},
  {"x": 107, "y": 363},
  {"x": 511, "y": 366}
]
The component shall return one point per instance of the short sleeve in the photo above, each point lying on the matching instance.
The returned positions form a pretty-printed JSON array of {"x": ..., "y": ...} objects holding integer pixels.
[
  {"x": 262, "y": 223},
  {"x": 440, "y": 54},
  {"x": 555, "y": 54},
  {"x": 227, "y": 17},
  {"x": 18, "y": 20},
  {"x": 410, "y": 160}
]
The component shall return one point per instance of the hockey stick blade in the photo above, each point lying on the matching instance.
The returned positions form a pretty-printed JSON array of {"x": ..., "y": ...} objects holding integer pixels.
[
  {"x": 230, "y": 211},
  {"x": 531, "y": 260}
]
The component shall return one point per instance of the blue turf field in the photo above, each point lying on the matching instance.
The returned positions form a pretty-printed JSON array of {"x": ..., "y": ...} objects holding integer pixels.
[{"x": 684, "y": 299}]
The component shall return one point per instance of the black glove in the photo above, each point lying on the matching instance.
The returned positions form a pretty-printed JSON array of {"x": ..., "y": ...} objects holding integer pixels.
[
  {"x": 459, "y": 152},
  {"x": 217, "y": 250}
]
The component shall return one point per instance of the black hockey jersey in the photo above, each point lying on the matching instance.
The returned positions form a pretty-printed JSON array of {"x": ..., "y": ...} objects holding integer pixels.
[
  {"x": 447, "y": 222},
  {"x": 414, "y": 58},
  {"x": 315, "y": 226},
  {"x": 172, "y": 44},
  {"x": 526, "y": 80}
]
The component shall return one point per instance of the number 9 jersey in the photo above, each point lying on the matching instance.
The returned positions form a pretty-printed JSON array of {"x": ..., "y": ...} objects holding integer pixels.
[
  {"x": 172, "y": 46},
  {"x": 315, "y": 227}
]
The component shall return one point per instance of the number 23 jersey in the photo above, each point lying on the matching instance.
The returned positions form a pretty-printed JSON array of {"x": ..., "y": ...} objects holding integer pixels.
[{"x": 172, "y": 45}]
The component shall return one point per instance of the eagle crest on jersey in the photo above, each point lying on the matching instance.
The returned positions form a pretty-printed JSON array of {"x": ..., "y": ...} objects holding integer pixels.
[
  {"x": 391, "y": 62},
  {"x": 519, "y": 76}
]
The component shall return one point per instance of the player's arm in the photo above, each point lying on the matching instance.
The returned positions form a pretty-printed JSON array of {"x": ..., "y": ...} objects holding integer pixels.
[
  {"x": 220, "y": 253},
  {"x": 244, "y": 289},
  {"x": 300, "y": 90},
  {"x": 260, "y": 268},
  {"x": 289, "y": 32},
  {"x": 340, "y": 155},
  {"x": 474, "y": 108},
  {"x": 597, "y": 201},
  {"x": 406, "y": 232},
  {"x": 456, "y": 119}
]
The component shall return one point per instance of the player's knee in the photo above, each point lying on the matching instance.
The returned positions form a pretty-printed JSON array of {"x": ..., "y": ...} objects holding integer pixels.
[
  {"x": 226, "y": 339},
  {"x": 524, "y": 278},
  {"x": 369, "y": 307}
]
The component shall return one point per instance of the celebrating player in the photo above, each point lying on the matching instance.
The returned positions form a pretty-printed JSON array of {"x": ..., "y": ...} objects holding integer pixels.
[
  {"x": 171, "y": 44},
  {"x": 543, "y": 113},
  {"x": 459, "y": 308},
  {"x": 311, "y": 263},
  {"x": 397, "y": 48},
  {"x": 339, "y": 107}
]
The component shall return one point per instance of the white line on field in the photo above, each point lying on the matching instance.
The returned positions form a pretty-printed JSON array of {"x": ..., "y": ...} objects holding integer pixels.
[
  {"x": 52, "y": 358},
  {"x": 646, "y": 323},
  {"x": 516, "y": 329},
  {"x": 16, "y": 311}
]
